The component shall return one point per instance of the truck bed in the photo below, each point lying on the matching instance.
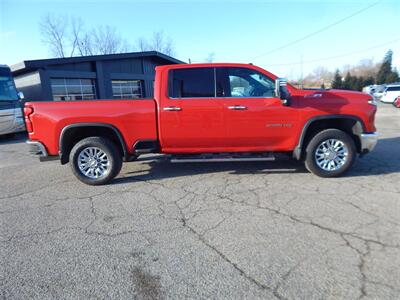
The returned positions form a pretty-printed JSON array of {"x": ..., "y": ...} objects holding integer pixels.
[{"x": 135, "y": 119}]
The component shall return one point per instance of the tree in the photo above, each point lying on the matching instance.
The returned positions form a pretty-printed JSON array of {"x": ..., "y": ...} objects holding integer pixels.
[
  {"x": 159, "y": 42},
  {"x": 337, "y": 80},
  {"x": 369, "y": 81},
  {"x": 67, "y": 37},
  {"x": 393, "y": 77},
  {"x": 142, "y": 44},
  {"x": 107, "y": 40},
  {"x": 54, "y": 34},
  {"x": 386, "y": 74}
]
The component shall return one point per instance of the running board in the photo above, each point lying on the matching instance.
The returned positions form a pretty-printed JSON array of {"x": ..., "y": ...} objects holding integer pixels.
[{"x": 222, "y": 157}]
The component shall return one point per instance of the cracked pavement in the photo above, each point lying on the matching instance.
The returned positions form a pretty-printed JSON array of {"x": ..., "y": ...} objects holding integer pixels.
[{"x": 200, "y": 231}]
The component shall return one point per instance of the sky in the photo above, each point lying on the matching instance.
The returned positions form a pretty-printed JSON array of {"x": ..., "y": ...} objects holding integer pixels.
[{"x": 265, "y": 33}]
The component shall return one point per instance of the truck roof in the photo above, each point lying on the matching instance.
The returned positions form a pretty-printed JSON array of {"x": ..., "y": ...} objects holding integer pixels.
[
  {"x": 211, "y": 65},
  {"x": 392, "y": 85}
]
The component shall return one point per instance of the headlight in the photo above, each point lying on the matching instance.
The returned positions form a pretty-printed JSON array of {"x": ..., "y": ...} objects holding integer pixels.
[{"x": 372, "y": 102}]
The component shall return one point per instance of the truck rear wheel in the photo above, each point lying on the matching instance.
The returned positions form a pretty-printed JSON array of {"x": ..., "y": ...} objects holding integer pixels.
[
  {"x": 330, "y": 153},
  {"x": 95, "y": 160}
]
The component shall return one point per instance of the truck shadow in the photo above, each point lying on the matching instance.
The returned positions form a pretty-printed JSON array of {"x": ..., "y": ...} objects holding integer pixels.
[
  {"x": 385, "y": 159},
  {"x": 13, "y": 138}
]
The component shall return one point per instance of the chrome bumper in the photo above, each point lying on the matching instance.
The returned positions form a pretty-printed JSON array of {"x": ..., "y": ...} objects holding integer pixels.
[
  {"x": 368, "y": 141},
  {"x": 37, "y": 148}
]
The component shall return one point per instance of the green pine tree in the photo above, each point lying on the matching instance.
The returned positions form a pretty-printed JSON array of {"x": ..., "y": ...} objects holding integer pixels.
[
  {"x": 386, "y": 74},
  {"x": 369, "y": 81},
  {"x": 393, "y": 76},
  {"x": 348, "y": 82},
  {"x": 337, "y": 80},
  {"x": 360, "y": 83}
]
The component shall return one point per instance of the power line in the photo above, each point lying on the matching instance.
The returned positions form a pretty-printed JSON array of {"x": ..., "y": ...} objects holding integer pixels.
[
  {"x": 318, "y": 31},
  {"x": 333, "y": 57}
]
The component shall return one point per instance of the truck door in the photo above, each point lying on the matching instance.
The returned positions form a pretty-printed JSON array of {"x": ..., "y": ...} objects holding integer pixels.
[
  {"x": 191, "y": 117},
  {"x": 256, "y": 119}
]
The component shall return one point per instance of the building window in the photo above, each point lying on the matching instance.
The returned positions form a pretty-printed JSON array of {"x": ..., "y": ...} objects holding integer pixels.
[
  {"x": 71, "y": 89},
  {"x": 127, "y": 89}
]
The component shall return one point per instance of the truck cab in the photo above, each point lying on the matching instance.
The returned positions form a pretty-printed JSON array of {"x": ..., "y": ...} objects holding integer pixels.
[{"x": 11, "y": 118}]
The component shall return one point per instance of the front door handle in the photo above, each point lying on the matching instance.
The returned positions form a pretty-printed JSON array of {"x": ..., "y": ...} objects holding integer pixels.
[
  {"x": 172, "y": 108},
  {"x": 237, "y": 107}
]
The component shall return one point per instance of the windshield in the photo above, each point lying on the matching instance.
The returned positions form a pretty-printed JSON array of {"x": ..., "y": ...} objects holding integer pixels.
[{"x": 7, "y": 86}]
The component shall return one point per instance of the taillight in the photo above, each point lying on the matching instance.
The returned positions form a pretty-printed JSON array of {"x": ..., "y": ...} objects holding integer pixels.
[{"x": 28, "y": 123}]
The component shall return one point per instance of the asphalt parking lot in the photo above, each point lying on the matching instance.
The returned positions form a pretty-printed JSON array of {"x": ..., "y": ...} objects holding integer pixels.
[{"x": 202, "y": 231}]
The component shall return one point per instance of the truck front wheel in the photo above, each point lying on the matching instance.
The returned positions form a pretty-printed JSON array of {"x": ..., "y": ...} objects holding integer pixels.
[
  {"x": 330, "y": 153},
  {"x": 95, "y": 160}
]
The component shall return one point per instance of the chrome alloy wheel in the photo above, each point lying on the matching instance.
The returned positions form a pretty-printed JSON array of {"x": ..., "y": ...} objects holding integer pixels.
[
  {"x": 93, "y": 162},
  {"x": 331, "y": 155}
]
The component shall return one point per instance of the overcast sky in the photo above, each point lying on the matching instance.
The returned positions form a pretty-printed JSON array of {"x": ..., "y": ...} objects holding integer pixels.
[{"x": 236, "y": 31}]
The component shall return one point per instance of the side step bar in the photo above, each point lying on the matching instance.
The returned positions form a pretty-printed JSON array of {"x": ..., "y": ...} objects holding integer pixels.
[{"x": 222, "y": 157}]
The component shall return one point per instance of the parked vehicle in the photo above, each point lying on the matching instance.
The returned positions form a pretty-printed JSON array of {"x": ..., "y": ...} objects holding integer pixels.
[
  {"x": 11, "y": 117},
  {"x": 392, "y": 91},
  {"x": 396, "y": 102},
  {"x": 370, "y": 89},
  {"x": 379, "y": 90},
  {"x": 207, "y": 112}
]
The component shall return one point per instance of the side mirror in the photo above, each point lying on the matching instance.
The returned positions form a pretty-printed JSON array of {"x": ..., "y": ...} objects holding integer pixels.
[
  {"x": 281, "y": 91},
  {"x": 21, "y": 95}
]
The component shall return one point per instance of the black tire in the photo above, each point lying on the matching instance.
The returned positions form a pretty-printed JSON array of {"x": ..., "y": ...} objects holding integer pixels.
[
  {"x": 317, "y": 140},
  {"x": 113, "y": 159}
]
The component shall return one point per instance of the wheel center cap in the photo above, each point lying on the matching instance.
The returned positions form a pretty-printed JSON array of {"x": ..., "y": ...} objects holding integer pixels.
[{"x": 331, "y": 155}]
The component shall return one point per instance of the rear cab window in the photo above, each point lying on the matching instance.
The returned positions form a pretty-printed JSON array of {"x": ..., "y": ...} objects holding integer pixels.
[{"x": 191, "y": 83}]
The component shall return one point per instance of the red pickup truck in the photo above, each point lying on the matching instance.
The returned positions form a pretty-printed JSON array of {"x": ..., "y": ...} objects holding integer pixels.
[{"x": 206, "y": 112}]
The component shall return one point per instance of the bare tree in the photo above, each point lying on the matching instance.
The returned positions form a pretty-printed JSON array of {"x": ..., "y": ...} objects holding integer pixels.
[
  {"x": 108, "y": 41},
  {"x": 68, "y": 37},
  {"x": 54, "y": 34},
  {"x": 85, "y": 45},
  {"x": 76, "y": 32},
  {"x": 158, "y": 42},
  {"x": 142, "y": 44}
]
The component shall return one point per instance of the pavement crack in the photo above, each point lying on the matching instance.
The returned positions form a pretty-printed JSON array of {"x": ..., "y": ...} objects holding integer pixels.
[{"x": 225, "y": 258}]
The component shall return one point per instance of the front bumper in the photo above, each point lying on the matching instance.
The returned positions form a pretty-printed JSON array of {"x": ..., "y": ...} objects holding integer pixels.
[
  {"x": 368, "y": 141},
  {"x": 38, "y": 149}
]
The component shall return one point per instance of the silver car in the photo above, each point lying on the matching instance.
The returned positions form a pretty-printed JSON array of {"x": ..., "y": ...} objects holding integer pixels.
[{"x": 11, "y": 117}]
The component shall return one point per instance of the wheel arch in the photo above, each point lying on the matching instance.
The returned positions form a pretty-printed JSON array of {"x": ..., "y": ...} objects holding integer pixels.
[
  {"x": 73, "y": 133},
  {"x": 352, "y": 125}
]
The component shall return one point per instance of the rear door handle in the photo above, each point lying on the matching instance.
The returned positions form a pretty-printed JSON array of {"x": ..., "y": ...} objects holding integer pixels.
[
  {"x": 237, "y": 107},
  {"x": 172, "y": 108}
]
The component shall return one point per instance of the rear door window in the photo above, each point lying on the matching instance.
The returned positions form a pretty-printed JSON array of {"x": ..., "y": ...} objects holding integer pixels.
[{"x": 192, "y": 83}]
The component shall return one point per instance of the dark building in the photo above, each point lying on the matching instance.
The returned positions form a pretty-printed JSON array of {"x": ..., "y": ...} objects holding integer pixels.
[{"x": 113, "y": 76}]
